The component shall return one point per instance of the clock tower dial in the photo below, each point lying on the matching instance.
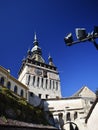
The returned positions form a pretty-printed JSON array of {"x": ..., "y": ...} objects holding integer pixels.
[{"x": 38, "y": 71}]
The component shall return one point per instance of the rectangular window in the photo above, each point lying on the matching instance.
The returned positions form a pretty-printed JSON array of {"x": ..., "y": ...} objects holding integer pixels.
[
  {"x": 31, "y": 94},
  {"x": 40, "y": 95},
  {"x": 53, "y": 84},
  {"x": 42, "y": 83},
  {"x": 56, "y": 85},
  {"x": 33, "y": 80},
  {"x": 50, "y": 84},
  {"x": 37, "y": 81},
  {"x": 47, "y": 96},
  {"x": 46, "y": 83}
]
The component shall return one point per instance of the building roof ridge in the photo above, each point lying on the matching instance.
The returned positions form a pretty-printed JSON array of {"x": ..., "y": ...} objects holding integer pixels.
[{"x": 79, "y": 91}]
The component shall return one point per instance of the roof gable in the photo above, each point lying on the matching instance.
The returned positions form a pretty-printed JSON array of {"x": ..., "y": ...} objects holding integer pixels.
[{"x": 85, "y": 92}]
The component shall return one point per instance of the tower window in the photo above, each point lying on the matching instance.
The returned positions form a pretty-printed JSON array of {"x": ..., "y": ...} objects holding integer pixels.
[
  {"x": 46, "y": 83},
  {"x": 38, "y": 81},
  {"x": 53, "y": 84},
  {"x": 33, "y": 80},
  {"x": 9, "y": 85},
  {"x": 42, "y": 83},
  {"x": 28, "y": 79},
  {"x": 56, "y": 85},
  {"x": 50, "y": 84}
]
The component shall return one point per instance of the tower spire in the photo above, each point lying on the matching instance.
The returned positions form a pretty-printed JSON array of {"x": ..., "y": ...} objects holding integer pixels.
[
  {"x": 35, "y": 39},
  {"x": 36, "y": 52}
]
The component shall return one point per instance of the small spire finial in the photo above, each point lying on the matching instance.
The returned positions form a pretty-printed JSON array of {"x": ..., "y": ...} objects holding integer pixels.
[
  {"x": 35, "y": 39},
  {"x": 50, "y": 60},
  {"x": 49, "y": 56}
]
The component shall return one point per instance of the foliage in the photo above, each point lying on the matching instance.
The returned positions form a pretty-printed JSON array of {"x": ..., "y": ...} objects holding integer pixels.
[
  {"x": 4, "y": 119},
  {"x": 16, "y": 108}
]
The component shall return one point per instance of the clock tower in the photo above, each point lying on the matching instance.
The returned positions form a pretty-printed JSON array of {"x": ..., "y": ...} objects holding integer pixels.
[{"x": 40, "y": 77}]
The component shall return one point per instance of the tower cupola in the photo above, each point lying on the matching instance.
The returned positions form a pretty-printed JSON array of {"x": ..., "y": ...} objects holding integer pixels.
[
  {"x": 36, "y": 52},
  {"x": 36, "y": 49}
]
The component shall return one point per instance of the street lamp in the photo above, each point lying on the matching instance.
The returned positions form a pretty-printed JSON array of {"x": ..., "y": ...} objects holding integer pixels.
[{"x": 82, "y": 36}]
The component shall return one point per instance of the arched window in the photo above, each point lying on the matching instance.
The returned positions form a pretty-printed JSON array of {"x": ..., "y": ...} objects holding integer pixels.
[
  {"x": 61, "y": 120},
  {"x": 9, "y": 85},
  {"x": 15, "y": 89},
  {"x": 2, "y": 80},
  {"x": 21, "y": 93},
  {"x": 75, "y": 115},
  {"x": 68, "y": 117},
  {"x": 60, "y": 115}
]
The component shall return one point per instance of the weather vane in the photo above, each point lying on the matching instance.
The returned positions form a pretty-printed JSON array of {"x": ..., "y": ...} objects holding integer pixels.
[{"x": 82, "y": 36}]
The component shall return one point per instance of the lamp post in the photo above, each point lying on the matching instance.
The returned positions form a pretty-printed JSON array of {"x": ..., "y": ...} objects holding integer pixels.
[{"x": 82, "y": 36}]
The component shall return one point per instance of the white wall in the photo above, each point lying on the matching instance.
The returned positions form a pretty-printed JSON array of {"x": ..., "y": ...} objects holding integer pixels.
[
  {"x": 92, "y": 123},
  {"x": 68, "y": 105}
]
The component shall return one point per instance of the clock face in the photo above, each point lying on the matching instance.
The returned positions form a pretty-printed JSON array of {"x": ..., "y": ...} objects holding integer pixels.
[{"x": 38, "y": 71}]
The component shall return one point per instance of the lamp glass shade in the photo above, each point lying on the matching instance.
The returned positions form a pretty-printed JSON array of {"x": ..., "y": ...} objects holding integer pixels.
[
  {"x": 95, "y": 29},
  {"x": 81, "y": 33}
]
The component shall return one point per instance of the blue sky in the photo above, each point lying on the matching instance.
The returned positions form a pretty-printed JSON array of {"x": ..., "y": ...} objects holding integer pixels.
[{"x": 52, "y": 20}]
